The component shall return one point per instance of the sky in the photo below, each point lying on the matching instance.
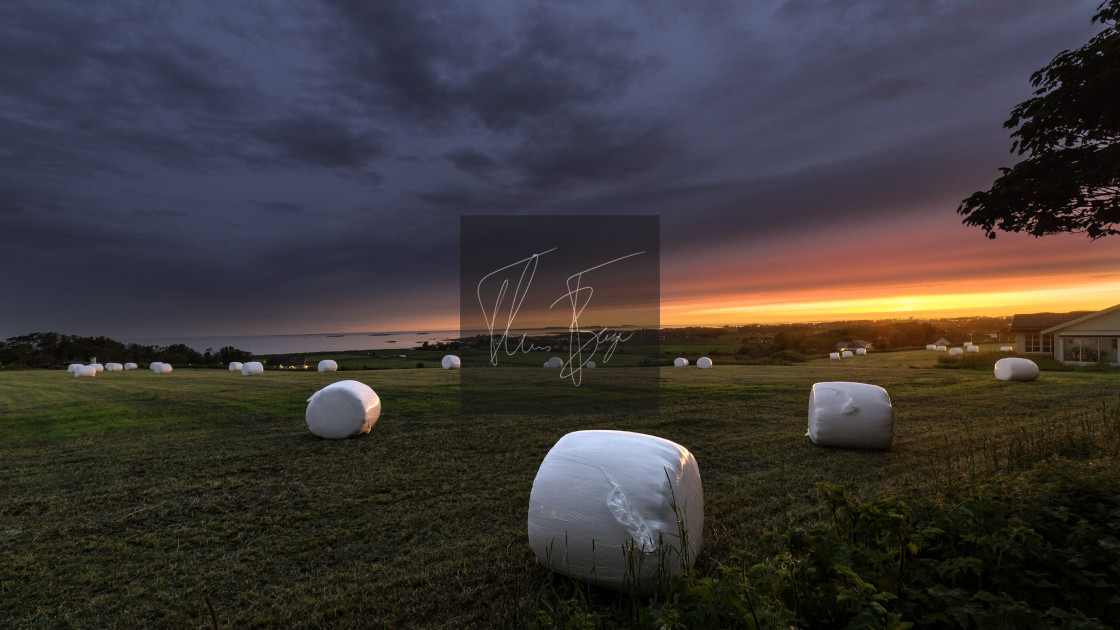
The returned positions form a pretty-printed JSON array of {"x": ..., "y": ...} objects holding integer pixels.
[{"x": 217, "y": 168}]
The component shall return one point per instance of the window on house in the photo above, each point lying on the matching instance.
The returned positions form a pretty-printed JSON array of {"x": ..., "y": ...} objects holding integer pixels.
[{"x": 1037, "y": 342}]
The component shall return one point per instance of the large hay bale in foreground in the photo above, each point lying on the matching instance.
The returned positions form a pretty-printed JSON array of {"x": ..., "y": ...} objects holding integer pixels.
[
  {"x": 1016, "y": 369},
  {"x": 956, "y": 352},
  {"x": 235, "y": 366},
  {"x": 680, "y": 362},
  {"x": 602, "y": 508},
  {"x": 343, "y": 409},
  {"x": 130, "y": 366},
  {"x": 704, "y": 363},
  {"x": 114, "y": 367},
  {"x": 328, "y": 365},
  {"x": 451, "y": 362},
  {"x": 850, "y": 415},
  {"x": 252, "y": 368},
  {"x": 85, "y": 370}
]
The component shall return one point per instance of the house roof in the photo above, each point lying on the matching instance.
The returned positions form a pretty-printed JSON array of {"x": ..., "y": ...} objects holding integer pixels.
[
  {"x": 1036, "y": 322},
  {"x": 1077, "y": 320}
]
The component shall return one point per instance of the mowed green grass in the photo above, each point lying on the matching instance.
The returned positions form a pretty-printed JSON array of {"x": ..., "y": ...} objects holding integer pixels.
[{"x": 142, "y": 500}]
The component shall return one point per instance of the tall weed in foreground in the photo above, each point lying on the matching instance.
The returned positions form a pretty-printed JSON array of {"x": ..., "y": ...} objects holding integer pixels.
[{"x": 1041, "y": 550}]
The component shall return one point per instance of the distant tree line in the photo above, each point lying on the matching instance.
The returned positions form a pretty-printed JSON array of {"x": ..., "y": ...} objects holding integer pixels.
[{"x": 51, "y": 349}]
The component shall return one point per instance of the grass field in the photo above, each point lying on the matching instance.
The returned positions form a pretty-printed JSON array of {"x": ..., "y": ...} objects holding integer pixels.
[{"x": 142, "y": 500}]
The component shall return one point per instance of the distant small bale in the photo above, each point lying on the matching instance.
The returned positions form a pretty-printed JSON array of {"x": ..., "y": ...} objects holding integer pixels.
[
  {"x": 680, "y": 362},
  {"x": 343, "y": 409},
  {"x": 164, "y": 368},
  {"x": 941, "y": 348},
  {"x": 968, "y": 344},
  {"x": 156, "y": 366},
  {"x": 956, "y": 352},
  {"x": 252, "y": 368},
  {"x": 861, "y": 351},
  {"x": 835, "y": 356},
  {"x": 1007, "y": 348},
  {"x": 98, "y": 367},
  {"x": 850, "y": 415},
  {"x": 130, "y": 366},
  {"x": 235, "y": 366},
  {"x": 85, "y": 370},
  {"x": 847, "y": 354},
  {"x": 704, "y": 363},
  {"x": 1016, "y": 369},
  {"x": 328, "y": 365},
  {"x": 590, "y": 364},
  {"x": 930, "y": 346},
  {"x": 974, "y": 348},
  {"x": 555, "y": 362},
  {"x": 73, "y": 366},
  {"x": 114, "y": 367},
  {"x": 451, "y": 362}
]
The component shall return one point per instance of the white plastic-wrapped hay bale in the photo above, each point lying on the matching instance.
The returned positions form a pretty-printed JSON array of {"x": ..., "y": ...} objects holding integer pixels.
[
  {"x": 590, "y": 364},
  {"x": 834, "y": 356},
  {"x": 328, "y": 365},
  {"x": 974, "y": 348},
  {"x": 130, "y": 366},
  {"x": 72, "y": 367},
  {"x": 164, "y": 368},
  {"x": 98, "y": 367},
  {"x": 930, "y": 346},
  {"x": 956, "y": 352},
  {"x": 602, "y": 508},
  {"x": 85, "y": 370},
  {"x": 156, "y": 366},
  {"x": 252, "y": 368},
  {"x": 680, "y": 362},
  {"x": 861, "y": 351},
  {"x": 555, "y": 362},
  {"x": 704, "y": 363},
  {"x": 546, "y": 365},
  {"x": 1016, "y": 369},
  {"x": 114, "y": 367},
  {"x": 941, "y": 348},
  {"x": 850, "y": 415},
  {"x": 1007, "y": 348},
  {"x": 451, "y": 362},
  {"x": 343, "y": 409},
  {"x": 968, "y": 344},
  {"x": 847, "y": 354},
  {"x": 235, "y": 366}
]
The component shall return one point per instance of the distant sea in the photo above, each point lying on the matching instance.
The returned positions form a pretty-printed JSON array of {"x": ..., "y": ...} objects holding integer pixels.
[{"x": 303, "y": 344}]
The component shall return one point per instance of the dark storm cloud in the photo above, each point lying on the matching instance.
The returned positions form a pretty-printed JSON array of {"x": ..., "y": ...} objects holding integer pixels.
[{"x": 286, "y": 154}]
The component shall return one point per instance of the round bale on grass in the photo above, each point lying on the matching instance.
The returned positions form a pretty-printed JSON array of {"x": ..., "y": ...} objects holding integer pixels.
[
  {"x": 85, "y": 370},
  {"x": 973, "y": 348},
  {"x": 451, "y": 362},
  {"x": 328, "y": 365},
  {"x": 680, "y": 362},
  {"x": 343, "y": 409},
  {"x": 235, "y": 366},
  {"x": 252, "y": 368},
  {"x": 610, "y": 508},
  {"x": 850, "y": 415},
  {"x": 130, "y": 366},
  {"x": 1016, "y": 369},
  {"x": 704, "y": 363}
]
